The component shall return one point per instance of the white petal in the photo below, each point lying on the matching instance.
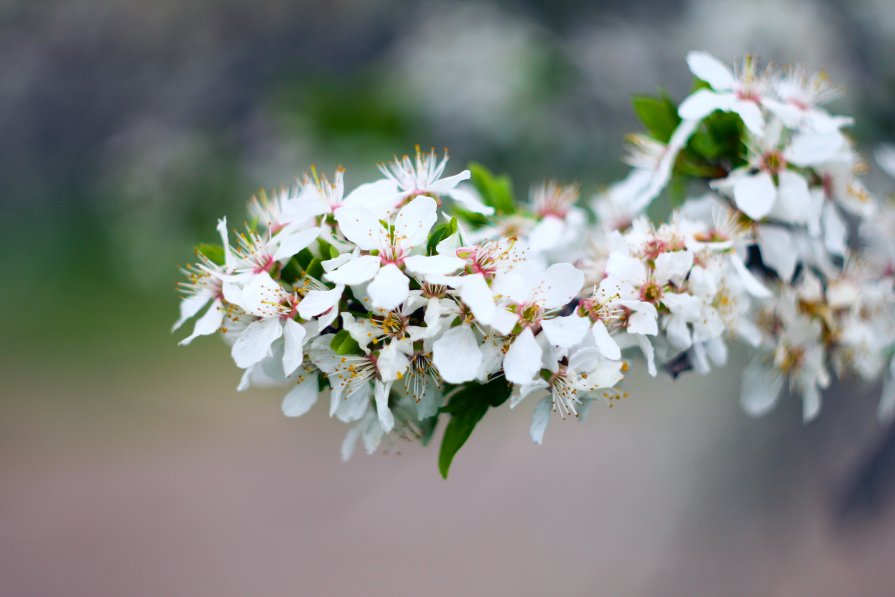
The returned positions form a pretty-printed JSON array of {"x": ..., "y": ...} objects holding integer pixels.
[
  {"x": 835, "y": 230},
  {"x": 810, "y": 403},
  {"x": 605, "y": 343},
  {"x": 750, "y": 113},
  {"x": 208, "y": 323},
  {"x": 292, "y": 243},
  {"x": 625, "y": 268},
  {"x": 447, "y": 184},
  {"x": 392, "y": 362},
  {"x": 811, "y": 148},
  {"x": 350, "y": 442},
  {"x": 673, "y": 266},
  {"x": 523, "y": 360},
  {"x": 434, "y": 265},
  {"x": 760, "y": 389},
  {"x": 362, "y": 227},
  {"x": 702, "y": 103},
  {"x": 752, "y": 285},
  {"x": 755, "y": 194},
  {"x": 643, "y": 319},
  {"x": 649, "y": 353},
  {"x": 319, "y": 301},
  {"x": 386, "y": 418},
  {"x": 470, "y": 201},
  {"x": 711, "y": 70},
  {"x": 357, "y": 271},
  {"x": 253, "y": 345},
  {"x": 540, "y": 418},
  {"x": 414, "y": 221},
  {"x": 548, "y": 234},
  {"x": 476, "y": 294},
  {"x": 389, "y": 288},
  {"x": 678, "y": 333},
  {"x": 261, "y": 295},
  {"x": 372, "y": 435},
  {"x": 377, "y": 197},
  {"x": 301, "y": 398},
  {"x": 191, "y": 305},
  {"x": 294, "y": 339},
  {"x": 561, "y": 283},
  {"x": 886, "y": 409},
  {"x": 504, "y": 321},
  {"x": 457, "y": 355},
  {"x": 229, "y": 261},
  {"x": 565, "y": 332},
  {"x": 885, "y": 157},
  {"x": 353, "y": 407},
  {"x": 778, "y": 251},
  {"x": 793, "y": 198}
]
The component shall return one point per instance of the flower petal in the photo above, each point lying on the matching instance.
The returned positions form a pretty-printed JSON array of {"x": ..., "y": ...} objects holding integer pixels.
[
  {"x": 711, "y": 70},
  {"x": 319, "y": 301},
  {"x": 560, "y": 284},
  {"x": 760, "y": 388},
  {"x": 673, "y": 266},
  {"x": 386, "y": 418},
  {"x": 293, "y": 242},
  {"x": 702, "y": 103},
  {"x": 362, "y": 227},
  {"x": 356, "y": 271},
  {"x": 540, "y": 418},
  {"x": 565, "y": 332},
  {"x": 447, "y": 184},
  {"x": 208, "y": 323},
  {"x": 414, "y": 221},
  {"x": 301, "y": 398},
  {"x": 476, "y": 294},
  {"x": 778, "y": 251},
  {"x": 389, "y": 288},
  {"x": 377, "y": 197},
  {"x": 253, "y": 345},
  {"x": 438, "y": 265},
  {"x": 523, "y": 360},
  {"x": 755, "y": 194},
  {"x": 189, "y": 306},
  {"x": 294, "y": 338},
  {"x": 607, "y": 346},
  {"x": 457, "y": 355}
]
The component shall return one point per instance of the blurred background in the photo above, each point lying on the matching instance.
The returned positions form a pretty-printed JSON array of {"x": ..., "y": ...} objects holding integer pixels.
[{"x": 129, "y": 466}]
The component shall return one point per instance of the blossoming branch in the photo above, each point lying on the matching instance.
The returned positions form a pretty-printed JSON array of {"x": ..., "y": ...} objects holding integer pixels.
[{"x": 424, "y": 296}]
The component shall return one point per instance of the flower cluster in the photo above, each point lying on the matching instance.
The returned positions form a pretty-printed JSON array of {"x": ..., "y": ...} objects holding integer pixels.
[
  {"x": 421, "y": 295},
  {"x": 809, "y": 229}
]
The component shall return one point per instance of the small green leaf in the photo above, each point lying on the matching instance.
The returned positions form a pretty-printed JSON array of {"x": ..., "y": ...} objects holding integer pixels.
[
  {"x": 439, "y": 233},
  {"x": 496, "y": 191},
  {"x": 658, "y": 115},
  {"x": 213, "y": 252},
  {"x": 467, "y": 407},
  {"x": 343, "y": 343},
  {"x": 427, "y": 428}
]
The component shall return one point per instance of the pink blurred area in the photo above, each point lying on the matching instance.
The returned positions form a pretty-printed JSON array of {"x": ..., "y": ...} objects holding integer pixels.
[{"x": 140, "y": 471}]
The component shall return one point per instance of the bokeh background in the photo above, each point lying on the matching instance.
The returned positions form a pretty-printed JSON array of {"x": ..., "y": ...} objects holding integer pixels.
[{"x": 129, "y": 466}]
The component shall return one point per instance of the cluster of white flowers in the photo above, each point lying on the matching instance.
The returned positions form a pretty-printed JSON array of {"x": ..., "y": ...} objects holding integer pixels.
[
  {"x": 809, "y": 229},
  {"x": 386, "y": 300}
]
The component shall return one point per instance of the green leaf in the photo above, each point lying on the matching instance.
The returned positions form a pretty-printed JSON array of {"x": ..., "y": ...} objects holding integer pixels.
[
  {"x": 427, "y": 427},
  {"x": 214, "y": 252},
  {"x": 658, "y": 115},
  {"x": 439, "y": 233},
  {"x": 343, "y": 343},
  {"x": 496, "y": 191},
  {"x": 467, "y": 407}
]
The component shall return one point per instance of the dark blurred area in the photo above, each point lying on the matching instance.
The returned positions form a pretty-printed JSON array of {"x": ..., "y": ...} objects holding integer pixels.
[{"x": 132, "y": 467}]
